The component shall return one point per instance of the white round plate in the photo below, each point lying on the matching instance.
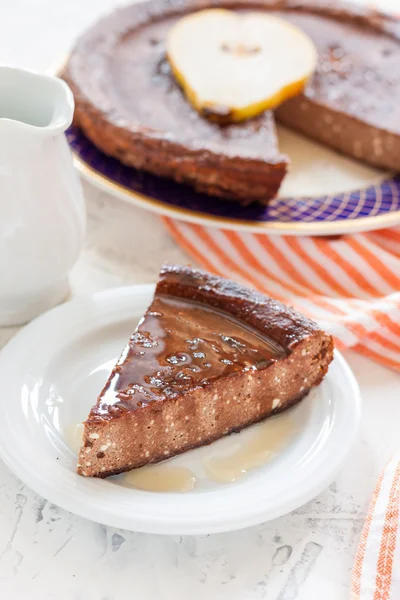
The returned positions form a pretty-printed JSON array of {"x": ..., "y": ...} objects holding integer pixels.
[{"x": 50, "y": 375}]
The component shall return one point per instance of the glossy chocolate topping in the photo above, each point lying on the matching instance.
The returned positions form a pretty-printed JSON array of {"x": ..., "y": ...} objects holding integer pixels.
[
  {"x": 357, "y": 72},
  {"x": 178, "y": 346},
  {"x": 144, "y": 90},
  {"x": 130, "y": 106}
]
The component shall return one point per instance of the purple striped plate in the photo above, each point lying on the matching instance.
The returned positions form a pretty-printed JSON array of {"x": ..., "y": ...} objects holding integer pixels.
[{"x": 374, "y": 207}]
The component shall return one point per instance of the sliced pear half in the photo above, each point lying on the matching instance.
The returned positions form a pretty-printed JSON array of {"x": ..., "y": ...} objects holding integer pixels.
[{"x": 235, "y": 66}]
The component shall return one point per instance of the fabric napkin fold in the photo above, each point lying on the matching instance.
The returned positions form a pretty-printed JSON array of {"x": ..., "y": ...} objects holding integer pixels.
[
  {"x": 351, "y": 286},
  {"x": 376, "y": 572}
]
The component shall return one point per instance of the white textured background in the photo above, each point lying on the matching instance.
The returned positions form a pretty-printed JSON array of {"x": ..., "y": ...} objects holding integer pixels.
[{"x": 46, "y": 553}]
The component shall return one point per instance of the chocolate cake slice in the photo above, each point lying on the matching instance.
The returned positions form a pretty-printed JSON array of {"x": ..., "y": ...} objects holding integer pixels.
[
  {"x": 130, "y": 106},
  {"x": 208, "y": 358}
]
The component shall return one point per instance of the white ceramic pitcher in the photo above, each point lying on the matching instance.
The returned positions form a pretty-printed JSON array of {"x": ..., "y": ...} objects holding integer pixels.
[{"x": 42, "y": 212}]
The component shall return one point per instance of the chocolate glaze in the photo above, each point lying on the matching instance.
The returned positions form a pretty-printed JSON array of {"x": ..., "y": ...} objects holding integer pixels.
[
  {"x": 143, "y": 90},
  {"x": 198, "y": 328},
  {"x": 180, "y": 345},
  {"x": 122, "y": 67},
  {"x": 130, "y": 106},
  {"x": 358, "y": 69},
  {"x": 129, "y": 78}
]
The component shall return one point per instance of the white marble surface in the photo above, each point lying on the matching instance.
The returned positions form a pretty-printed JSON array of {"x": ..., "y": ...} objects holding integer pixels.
[{"x": 46, "y": 553}]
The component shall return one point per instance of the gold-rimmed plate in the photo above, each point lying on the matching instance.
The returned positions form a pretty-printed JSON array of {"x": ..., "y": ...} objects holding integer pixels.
[{"x": 324, "y": 193}]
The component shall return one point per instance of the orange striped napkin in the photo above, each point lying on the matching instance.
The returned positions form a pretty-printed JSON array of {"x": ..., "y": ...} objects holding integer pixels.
[{"x": 351, "y": 286}]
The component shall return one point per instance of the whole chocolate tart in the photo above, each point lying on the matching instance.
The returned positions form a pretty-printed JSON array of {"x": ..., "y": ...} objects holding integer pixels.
[
  {"x": 208, "y": 358},
  {"x": 130, "y": 106}
]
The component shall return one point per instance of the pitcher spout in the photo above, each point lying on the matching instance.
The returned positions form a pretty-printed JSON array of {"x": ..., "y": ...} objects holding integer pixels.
[{"x": 30, "y": 100}]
